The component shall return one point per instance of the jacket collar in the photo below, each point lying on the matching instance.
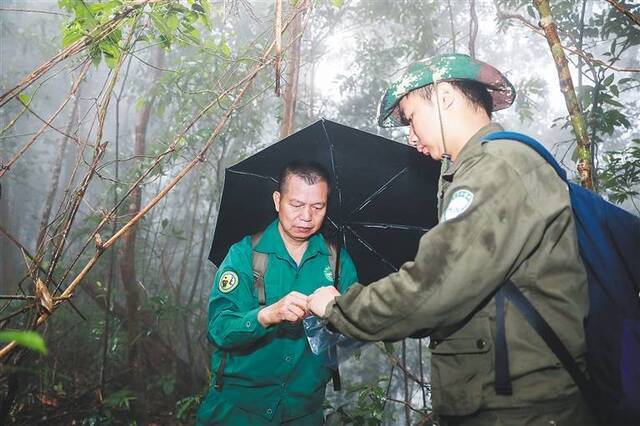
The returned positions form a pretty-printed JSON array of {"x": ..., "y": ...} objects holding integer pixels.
[
  {"x": 271, "y": 242},
  {"x": 471, "y": 148}
]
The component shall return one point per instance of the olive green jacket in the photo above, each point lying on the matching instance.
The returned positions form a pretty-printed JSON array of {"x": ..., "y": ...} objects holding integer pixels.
[
  {"x": 503, "y": 212},
  {"x": 267, "y": 368}
]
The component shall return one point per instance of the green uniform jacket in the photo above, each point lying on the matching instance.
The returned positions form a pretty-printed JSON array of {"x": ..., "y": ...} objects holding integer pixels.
[
  {"x": 268, "y": 370},
  {"x": 503, "y": 212}
]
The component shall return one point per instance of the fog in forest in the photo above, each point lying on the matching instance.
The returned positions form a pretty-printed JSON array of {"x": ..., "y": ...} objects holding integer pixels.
[{"x": 90, "y": 139}]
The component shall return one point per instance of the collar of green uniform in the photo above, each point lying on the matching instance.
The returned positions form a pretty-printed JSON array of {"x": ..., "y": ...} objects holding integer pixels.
[
  {"x": 472, "y": 147},
  {"x": 271, "y": 242}
]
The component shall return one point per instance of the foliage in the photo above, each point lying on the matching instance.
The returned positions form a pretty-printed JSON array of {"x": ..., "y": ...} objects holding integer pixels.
[
  {"x": 607, "y": 99},
  {"x": 186, "y": 408},
  {"x": 369, "y": 408},
  {"x": 171, "y": 22},
  {"x": 207, "y": 47},
  {"x": 621, "y": 174},
  {"x": 28, "y": 339}
]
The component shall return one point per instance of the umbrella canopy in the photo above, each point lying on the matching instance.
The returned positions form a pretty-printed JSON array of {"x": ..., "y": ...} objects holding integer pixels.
[{"x": 383, "y": 198}]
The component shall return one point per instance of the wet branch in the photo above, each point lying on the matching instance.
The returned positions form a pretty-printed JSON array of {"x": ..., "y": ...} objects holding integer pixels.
[{"x": 566, "y": 86}]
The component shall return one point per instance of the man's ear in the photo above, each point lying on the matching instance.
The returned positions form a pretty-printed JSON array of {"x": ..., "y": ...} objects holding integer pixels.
[
  {"x": 446, "y": 95},
  {"x": 276, "y": 200}
]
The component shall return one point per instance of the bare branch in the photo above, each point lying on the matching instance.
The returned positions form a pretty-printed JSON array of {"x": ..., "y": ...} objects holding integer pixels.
[
  {"x": 632, "y": 16},
  {"x": 46, "y": 12}
]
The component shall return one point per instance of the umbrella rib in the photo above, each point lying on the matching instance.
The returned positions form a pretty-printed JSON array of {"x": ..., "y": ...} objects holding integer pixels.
[
  {"x": 370, "y": 247},
  {"x": 378, "y": 192},
  {"x": 254, "y": 175},
  {"x": 391, "y": 226},
  {"x": 333, "y": 167}
]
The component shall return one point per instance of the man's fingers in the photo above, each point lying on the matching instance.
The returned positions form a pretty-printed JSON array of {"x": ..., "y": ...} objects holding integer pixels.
[
  {"x": 297, "y": 298},
  {"x": 297, "y": 311},
  {"x": 302, "y": 304}
]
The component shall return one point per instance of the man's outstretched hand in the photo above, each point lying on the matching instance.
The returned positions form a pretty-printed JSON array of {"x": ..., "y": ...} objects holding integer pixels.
[
  {"x": 320, "y": 298},
  {"x": 291, "y": 308}
]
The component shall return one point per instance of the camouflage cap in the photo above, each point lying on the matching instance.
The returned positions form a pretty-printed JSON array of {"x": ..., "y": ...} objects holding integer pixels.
[{"x": 448, "y": 67}]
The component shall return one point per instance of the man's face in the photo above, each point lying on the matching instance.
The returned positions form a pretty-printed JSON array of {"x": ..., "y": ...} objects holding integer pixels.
[
  {"x": 301, "y": 207},
  {"x": 424, "y": 124}
]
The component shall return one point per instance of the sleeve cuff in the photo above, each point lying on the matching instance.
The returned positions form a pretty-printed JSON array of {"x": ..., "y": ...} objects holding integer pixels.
[
  {"x": 331, "y": 316},
  {"x": 252, "y": 325}
]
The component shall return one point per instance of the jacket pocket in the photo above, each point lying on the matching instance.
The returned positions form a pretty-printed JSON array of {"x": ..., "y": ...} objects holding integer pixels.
[{"x": 461, "y": 364}]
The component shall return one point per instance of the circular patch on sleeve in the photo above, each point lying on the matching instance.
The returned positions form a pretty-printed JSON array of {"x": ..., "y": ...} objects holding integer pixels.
[
  {"x": 328, "y": 273},
  {"x": 458, "y": 204},
  {"x": 228, "y": 281}
]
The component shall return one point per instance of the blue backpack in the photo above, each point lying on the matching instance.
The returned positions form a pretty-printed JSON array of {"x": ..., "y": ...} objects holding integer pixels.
[{"x": 609, "y": 242}]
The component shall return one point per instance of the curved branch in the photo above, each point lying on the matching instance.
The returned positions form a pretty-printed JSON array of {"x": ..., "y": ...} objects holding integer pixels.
[{"x": 632, "y": 16}]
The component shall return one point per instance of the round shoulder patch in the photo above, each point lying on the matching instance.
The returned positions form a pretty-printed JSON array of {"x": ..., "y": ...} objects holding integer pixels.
[
  {"x": 458, "y": 204},
  {"x": 328, "y": 273},
  {"x": 228, "y": 281}
]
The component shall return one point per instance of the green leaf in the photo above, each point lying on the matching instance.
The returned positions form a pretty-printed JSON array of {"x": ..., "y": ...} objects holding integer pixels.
[
  {"x": 29, "y": 339},
  {"x": 71, "y": 34},
  {"x": 607, "y": 81},
  {"x": 225, "y": 49},
  {"x": 24, "y": 98},
  {"x": 337, "y": 3},
  {"x": 172, "y": 23},
  {"x": 161, "y": 26},
  {"x": 614, "y": 90},
  {"x": 388, "y": 347}
]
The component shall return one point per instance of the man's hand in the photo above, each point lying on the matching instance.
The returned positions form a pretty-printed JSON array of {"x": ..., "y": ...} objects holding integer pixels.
[
  {"x": 292, "y": 308},
  {"x": 320, "y": 298}
]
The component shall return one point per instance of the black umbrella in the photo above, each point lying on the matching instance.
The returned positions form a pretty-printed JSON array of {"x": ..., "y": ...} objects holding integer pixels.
[{"x": 383, "y": 197}]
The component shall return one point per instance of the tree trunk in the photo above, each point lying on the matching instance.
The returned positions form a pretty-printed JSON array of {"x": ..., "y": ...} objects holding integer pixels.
[
  {"x": 128, "y": 257},
  {"x": 473, "y": 28},
  {"x": 566, "y": 86},
  {"x": 6, "y": 248},
  {"x": 293, "y": 72}
]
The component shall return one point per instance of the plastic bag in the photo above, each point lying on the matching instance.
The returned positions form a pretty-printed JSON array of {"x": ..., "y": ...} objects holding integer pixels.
[{"x": 336, "y": 347}]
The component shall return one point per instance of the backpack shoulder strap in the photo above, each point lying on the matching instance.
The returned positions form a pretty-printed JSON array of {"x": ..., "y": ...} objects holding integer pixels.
[
  {"x": 333, "y": 263},
  {"x": 512, "y": 293},
  {"x": 333, "y": 259},
  {"x": 531, "y": 143},
  {"x": 259, "y": 266}
]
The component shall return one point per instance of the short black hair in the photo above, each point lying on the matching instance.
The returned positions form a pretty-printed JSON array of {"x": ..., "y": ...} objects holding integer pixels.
[
  {"x": 310, "y": 171},
  {"x": 476, "y": 93}
]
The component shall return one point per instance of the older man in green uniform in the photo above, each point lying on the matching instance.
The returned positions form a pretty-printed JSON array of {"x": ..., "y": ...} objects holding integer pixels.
[
  {"x": 264, "y": 370},
  {"x": 504, "y": 213}
]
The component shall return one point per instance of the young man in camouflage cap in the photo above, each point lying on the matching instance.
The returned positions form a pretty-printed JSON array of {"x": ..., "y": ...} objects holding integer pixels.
[{"x": 504, "y": 213}]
